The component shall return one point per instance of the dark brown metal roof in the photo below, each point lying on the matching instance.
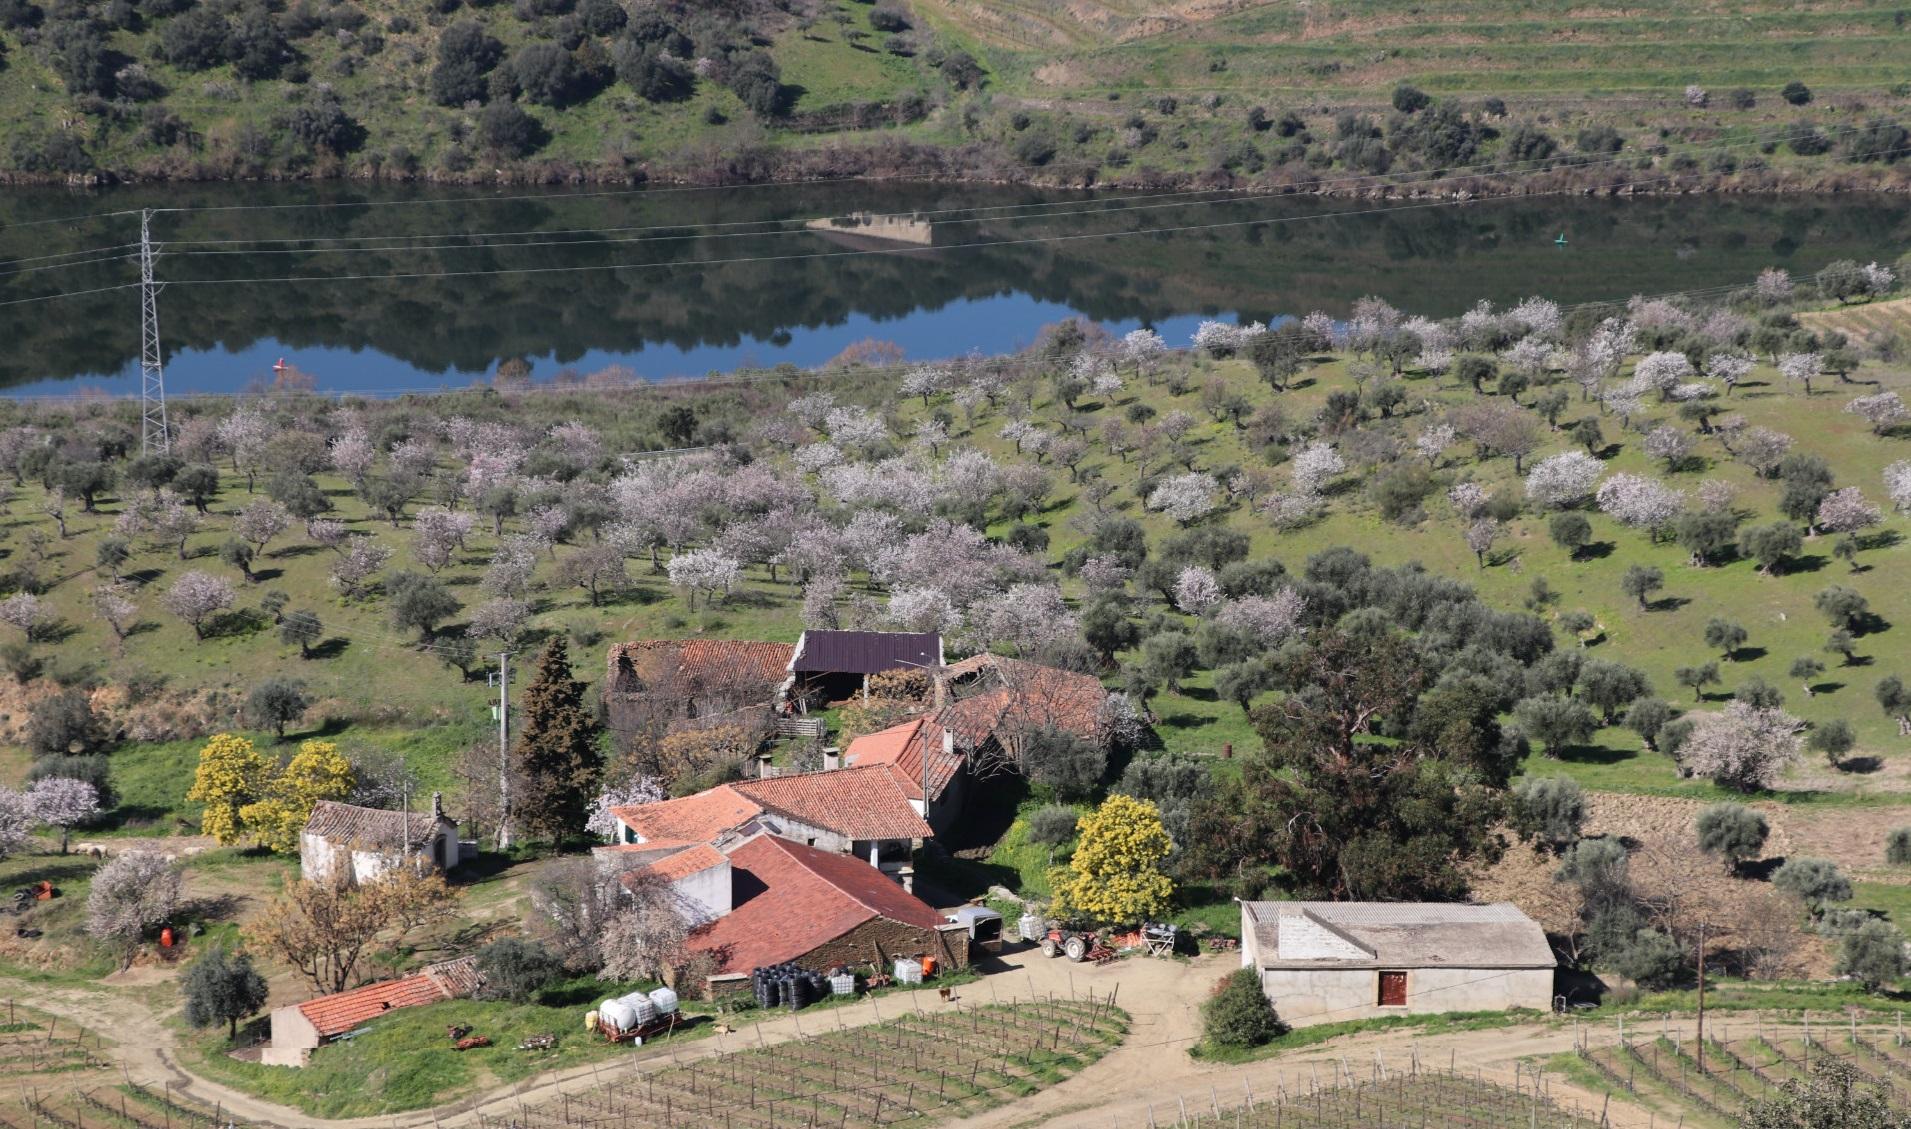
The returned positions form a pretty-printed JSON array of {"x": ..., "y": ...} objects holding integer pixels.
[{"x": 866, "y": 652}]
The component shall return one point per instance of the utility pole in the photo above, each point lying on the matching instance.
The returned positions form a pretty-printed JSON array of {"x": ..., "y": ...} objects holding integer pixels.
[
  {"x": 503, "y": 710},
  {"x": 1701, "y": 998},
  {"x": 154, "y": 439}
]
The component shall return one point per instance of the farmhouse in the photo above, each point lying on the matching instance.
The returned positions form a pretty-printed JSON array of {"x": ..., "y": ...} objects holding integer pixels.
[
  {"x": 818, "y": 910},
  {"x": 831, "y": 666},
  {"x": 1328, "y": 961},
  {"x": 363, "y": 843},
  {"x": 921, "y": 755},
  {"x": 854, "y": 811},
  {"x": 298, "y": 1029}
]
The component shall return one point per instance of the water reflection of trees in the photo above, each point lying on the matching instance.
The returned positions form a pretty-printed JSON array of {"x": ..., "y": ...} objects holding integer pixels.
[{"x": 1427, "y": 259}]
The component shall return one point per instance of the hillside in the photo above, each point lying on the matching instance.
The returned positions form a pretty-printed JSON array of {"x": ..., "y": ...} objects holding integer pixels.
[{"x": 1220, "y": 90}]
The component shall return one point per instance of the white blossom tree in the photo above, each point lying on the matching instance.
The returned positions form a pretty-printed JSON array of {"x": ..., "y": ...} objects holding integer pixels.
[
  {"x": 1143, "y": 348},
  {"x": 1774, "y": 286},
  {"x": 1728, "y": 367},
  {"x": 1196, "y": 590},
  {"x": 1897, "y": 484},
  {"x": 1185, "y": 497},
  {"x": 260, "y": 520},
  {"x": 704, "y": 570},
  {"x": 1480, "y": 537},
  {"x": 16, "y": 821},
  {"x": 133, "y": 892},
  {"x": 1882, "y": 410},
  {"x": 326, "y": 533},
  {"x": 856, "y": 428},
  {"x": 1026, "y": 617},
  {"x": 1717, "y": 496},
  {"x": 923, "y": 609},
  {"x": 355, "y": 567},
  {"x": 1669, "y": 443},
  {"x": 244, "y": 434},
  {"x": 1433, "y": 442},
  {"x": 196, "y": 596},
  {"x": 1801, "y": 367},
  {"x": 114, "y": 606},
  {"x": 353, "y": 456},
  {"x": 503, "y": 619},
  {"x": 1468, "y": 499},
  {"x": 1640, "y": 502},
  {"x": 1105, "y": 574},
  {"x": 1846, "y": 511},
  {"x": 1314, "y": 466},
  {"x": 1217, "y": 338},
  {"x": 63, "y": 802},
  {"x": 1268, "y": 619},
  {"x": 1563, "y": 480},
  {"x": 1878, "y": 279},
  {"x": 438, "y": 535},
  {"x": 25, "y": 611},
  {"x": 1286, "y": 510},
  {"x": 1743, "y": 746}
]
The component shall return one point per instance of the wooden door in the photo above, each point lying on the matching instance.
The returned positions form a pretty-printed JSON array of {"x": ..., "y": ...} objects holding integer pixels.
[{"x": 1393, "y": 989}]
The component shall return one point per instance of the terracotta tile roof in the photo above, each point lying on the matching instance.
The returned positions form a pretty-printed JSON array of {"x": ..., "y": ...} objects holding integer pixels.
[
  {"x": 990, "y": 692},
  {"x": 865, "y": 652},
  {"x": 688, "y": 665},
  {"x": 855, "y": 803},
  {"x": 691, "y": 819},
  {"x": 690, "y": 860},
  {"x": 859, "y": 803},
  {"x": 336, "y": 1014},
  {"x": 904, "y": 748},
  {"x": 372, "y": 827},
  {"x": 796, "y": 898}
]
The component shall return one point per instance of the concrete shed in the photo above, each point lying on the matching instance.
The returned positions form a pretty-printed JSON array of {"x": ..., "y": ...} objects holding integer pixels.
[{"x": 1323, "y": 962}]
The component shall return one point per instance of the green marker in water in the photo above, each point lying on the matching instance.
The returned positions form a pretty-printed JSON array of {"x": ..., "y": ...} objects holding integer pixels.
[{"x": 1561, "y": 241}]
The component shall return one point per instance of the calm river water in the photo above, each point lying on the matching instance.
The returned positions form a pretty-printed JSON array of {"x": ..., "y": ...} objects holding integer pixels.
[{"x": 384, "y": 289}]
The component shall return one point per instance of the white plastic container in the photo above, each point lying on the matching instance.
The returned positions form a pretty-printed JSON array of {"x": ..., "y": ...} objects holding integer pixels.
[
  {"x": 844, "y": 985},
  {"x": 1031, "y": 927},
  {"x": 908, "y": 971},
  {"x": 617, "y": 1015},
  {"x": 664, "y": 1000},
  {"x": 641, "y": 1007}
]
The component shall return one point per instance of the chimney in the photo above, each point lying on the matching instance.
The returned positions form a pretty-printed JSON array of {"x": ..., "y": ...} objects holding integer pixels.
[
  {"x": 1227, "y": 751},
  {"x": 437, "y": 806}
]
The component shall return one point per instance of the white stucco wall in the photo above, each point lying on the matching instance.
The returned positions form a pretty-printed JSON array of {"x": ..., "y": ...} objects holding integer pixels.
[
  {"x": 293, "y": 1038},
  {"x": 707, "y": 891},
  {"x": 1332, "y": 995}
]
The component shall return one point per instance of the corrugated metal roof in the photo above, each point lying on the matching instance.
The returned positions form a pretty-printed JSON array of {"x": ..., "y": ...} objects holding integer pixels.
[
  {"x": 1407, "y": 934},
  {"x": 866, "y": 652}
]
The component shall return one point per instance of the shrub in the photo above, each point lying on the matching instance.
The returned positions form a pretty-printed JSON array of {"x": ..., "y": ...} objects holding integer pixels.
[
  {"x": 1653, "y": 959},
  {"x": 1549, "y": 809},
  {"x": 1052, "y": 826},
  {"x": 1897, "y": 848},
  {"x": 515, "y": 969},
  {"x": 548, "y": 74},
  {"x": 887, "y": 17},
  {"x": 1409, "y": 99},
  {"x": 1815, "y": 881},
  {"x": 63, "y": 725},
  {"x": 1796, "y": 92},
  {"x": 276, "y": 703},
  {"x": 1872, "y": 955},
  {"x": 1734, "y": 832},
  {"x": 1239, "y": 1014},
  {"x": 219, "y": 986},
  {"x": 505, "y": 128}
]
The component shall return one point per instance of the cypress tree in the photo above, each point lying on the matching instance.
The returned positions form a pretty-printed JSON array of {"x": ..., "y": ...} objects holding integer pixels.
[{"x": 557, "y": 754}]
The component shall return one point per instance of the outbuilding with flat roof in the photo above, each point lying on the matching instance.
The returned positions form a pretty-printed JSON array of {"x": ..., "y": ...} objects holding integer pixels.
[{"x": 1323, "y": 962}]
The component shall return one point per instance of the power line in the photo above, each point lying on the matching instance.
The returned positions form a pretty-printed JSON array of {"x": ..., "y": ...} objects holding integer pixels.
[
  {"x": 65, "y": 219},
  {"x": 686, "y": 231},
  {"x": 889, "y": 251}
]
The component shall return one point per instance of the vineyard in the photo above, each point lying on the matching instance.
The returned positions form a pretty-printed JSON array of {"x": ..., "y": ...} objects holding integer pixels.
[
  {"x": 1663, "y": 1074},
  {"x": 914, "y": 1070},
  {"x": 1411, "y": 1100},
  {"x": 128, "y": 1105}
]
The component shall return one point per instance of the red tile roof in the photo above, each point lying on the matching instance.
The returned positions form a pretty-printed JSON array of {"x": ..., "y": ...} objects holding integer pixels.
[
  {"x": 855, "y": 803},
  {"x": 800, "y": 898},
  {"x": 691, "y": 819},
  {"x": 904, "y": 748},
  {"x": 858, "y": 803},
  {"x": 688, "y": 861},
  {"x": 688, "y": 665},
  {"x": 338, "y": 1013}
]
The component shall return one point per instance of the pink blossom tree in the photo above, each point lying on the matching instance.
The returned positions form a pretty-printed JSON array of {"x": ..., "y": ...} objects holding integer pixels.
[
  {"x": 1743, "y": 747},
  {"x": 63, "y": 802},
  {"x": 196, "y": 596}
]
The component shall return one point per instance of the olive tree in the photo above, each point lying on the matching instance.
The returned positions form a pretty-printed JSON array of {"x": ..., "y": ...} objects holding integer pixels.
[{"x": 1734, "y": 832}]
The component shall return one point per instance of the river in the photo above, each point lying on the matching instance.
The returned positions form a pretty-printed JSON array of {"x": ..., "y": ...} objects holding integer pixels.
[{"x": 384, "y": 289}]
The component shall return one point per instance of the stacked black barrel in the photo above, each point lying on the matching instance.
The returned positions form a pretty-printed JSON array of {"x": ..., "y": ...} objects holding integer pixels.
[{"x": 788, "y": 985}]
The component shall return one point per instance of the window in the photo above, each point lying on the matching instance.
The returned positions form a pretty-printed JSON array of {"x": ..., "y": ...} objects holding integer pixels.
[{"x": 1393, "y": 989}]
